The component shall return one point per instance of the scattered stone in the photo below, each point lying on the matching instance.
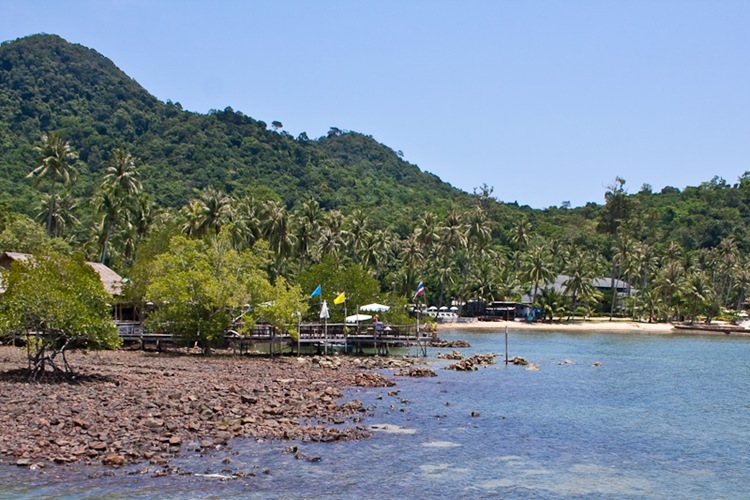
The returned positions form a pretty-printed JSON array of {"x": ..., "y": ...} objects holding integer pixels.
[
  {"x": 416, "y": 371},
  {"x": 131, "y": 406},
  {"x": 597, "y": 364},
  {"x": 518, "y": 361},
  {"x": 472, "y": 363},
  {"x": 475, "y": 414},
  {"x": 114, "y": 460},
  {"x": 453, "y": 355},
  {"x": 454, "y": 344}
]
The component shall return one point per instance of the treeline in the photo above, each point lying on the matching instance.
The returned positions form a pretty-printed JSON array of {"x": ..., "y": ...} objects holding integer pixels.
[
  {"x": 118, "y": 174},
  {"x": 684, "y": 255}
]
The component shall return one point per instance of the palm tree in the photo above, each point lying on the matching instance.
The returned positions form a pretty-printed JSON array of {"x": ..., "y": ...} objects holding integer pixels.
[
  {"x": 670, "y": 285},
  {"x": 120, "y": 185},
  {"x": 276, "y": 229},
  {"x": 329, "y": 243},
  {"x": 307, "y": 229},
  {"x": 411, "y": 255},
  {"x": 57, "y": 164},
  {"x": 537, "y": 268},
  {"x": 427, "y": 233},
  {"x": 357, "y": 233},
  {"x": 246, "y": 225},
  {"x": 192, "y": 215},
  {"x": 62, "y": 215},
  {"x": 698, "y": 292},
  {"x": 579, "y": 282},
  {"x": 551, "y": 303},
  {"x": 478, "y": 236},
  {"x": 217, "y": 210}
]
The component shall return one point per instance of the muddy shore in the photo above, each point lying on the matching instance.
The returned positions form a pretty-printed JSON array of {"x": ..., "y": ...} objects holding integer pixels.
[{"x": 130, "y": 406}]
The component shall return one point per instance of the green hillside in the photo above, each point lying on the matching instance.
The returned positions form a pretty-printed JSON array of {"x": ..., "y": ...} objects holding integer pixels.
[{"x": 48, "y": 84}]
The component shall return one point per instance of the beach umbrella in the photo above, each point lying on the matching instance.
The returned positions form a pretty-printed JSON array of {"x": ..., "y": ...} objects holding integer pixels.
[
  {"x": 356, "y": 318},
  {"x": 444, "y": 308},
  {"x": 454, "y": 308},
  {"x": 375, "y": 307},
  {"x": 432, "y": 308}
]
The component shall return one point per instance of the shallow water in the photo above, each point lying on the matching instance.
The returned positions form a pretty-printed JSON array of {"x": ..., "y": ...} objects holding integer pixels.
[{"x": 661, "y": 417}]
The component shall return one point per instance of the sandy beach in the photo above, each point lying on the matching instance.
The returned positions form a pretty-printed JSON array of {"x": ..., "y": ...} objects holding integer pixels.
[{"x": 589, "y": 326}]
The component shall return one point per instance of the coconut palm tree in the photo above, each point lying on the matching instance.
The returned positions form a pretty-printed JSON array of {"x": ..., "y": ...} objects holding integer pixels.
[
  {"x": 246, "y": 225},
  {"x": 551, "y": 303},
  {"x": 119, "y": 188},
  {"x": 579, "y": 282},
  {"x": 56, "y": 163},
  {"x": 670, "y": 286},
  {"x": 698, "y": 292},
  {"x": 63, "y": 212},
  {"x": 307, "y": 224},
  {"x": 277, "y": 230},
  {"x": 536, "y": 268}
]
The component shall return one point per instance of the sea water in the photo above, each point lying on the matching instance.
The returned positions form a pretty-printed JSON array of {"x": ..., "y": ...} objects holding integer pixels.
[{"x": 606, "y": 416}]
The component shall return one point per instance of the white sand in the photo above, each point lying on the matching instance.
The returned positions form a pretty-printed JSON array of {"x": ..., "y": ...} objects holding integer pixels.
[{"x": 565, "y": 326}]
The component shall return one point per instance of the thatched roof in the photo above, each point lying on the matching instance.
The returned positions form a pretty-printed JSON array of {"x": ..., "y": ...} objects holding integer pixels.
[{"x": 112, "y": 281}]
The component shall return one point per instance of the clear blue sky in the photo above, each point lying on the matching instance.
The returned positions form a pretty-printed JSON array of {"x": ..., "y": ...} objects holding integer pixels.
[{"x": 547, "y": 101}]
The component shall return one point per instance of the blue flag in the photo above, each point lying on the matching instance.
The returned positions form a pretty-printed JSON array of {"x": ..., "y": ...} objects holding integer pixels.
[{"x": 315, "y": 292}]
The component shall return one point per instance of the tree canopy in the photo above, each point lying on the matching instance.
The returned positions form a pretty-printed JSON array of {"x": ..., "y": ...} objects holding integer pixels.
[{"x": 60, "y": 303}]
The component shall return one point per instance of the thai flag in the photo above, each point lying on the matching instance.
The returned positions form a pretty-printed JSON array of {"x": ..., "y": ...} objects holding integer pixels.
[{"x": 420, "y": 291}]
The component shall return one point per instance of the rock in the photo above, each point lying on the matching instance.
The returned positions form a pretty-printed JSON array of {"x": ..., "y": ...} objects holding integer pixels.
[
  {"x": 475, "y": 414},
  {"x": 416, "y": 372},
  {"x": 114, "y": 459},
  {"x": 248, "y": 399},
  {"x": 454, "y": 355}
]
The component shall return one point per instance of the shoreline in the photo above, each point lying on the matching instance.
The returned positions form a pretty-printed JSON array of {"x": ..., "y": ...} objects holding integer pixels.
[
  {"x": 130, "y": 406},
  {"x": 593, "y": 326}
]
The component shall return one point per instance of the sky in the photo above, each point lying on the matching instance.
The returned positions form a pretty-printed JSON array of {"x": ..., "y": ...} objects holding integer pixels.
[{"x": 546, "y": 102}]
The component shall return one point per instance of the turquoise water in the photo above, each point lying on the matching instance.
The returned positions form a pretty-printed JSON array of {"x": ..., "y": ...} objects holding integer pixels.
[{"x": 661, "y": 417}]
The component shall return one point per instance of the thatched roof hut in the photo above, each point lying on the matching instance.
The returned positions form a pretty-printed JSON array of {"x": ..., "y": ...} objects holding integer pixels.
[{"x": 112, "y": 281}]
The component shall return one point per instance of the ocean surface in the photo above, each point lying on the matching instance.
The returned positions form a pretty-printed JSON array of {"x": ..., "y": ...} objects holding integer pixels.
[{"x": 661, "y": 416}]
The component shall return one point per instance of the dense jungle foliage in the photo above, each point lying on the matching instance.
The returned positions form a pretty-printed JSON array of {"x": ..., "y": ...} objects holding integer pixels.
[{"x": 90, "y": 162}]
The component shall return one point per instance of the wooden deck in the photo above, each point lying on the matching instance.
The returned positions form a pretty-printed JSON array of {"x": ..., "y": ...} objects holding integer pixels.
[{"x": 313, "y": 338}]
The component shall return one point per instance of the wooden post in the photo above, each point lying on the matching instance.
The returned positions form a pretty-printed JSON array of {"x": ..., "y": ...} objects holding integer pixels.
[{"x": 506, "y": 345}]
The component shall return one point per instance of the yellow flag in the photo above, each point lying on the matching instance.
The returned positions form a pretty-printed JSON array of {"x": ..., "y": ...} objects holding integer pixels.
[{"x": 340, "y": 299}]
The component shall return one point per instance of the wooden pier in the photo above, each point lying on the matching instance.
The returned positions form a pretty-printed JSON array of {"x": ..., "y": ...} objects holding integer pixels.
[{"x": 314, "y": 338}]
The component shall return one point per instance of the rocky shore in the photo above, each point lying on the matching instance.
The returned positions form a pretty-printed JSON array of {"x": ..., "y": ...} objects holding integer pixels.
[{"x": 131, "y": 406}]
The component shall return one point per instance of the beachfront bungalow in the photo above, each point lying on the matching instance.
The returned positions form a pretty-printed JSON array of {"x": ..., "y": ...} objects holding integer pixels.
[
  {"x": 603, "y": 285},
  {"x": 497, "y": 310}
]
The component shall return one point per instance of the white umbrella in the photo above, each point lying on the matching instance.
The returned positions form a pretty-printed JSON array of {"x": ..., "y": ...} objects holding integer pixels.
[
  {"x": 454, "y": 308},
  {"x": 444, "y": 308},
  {"x": 375, "y": 307},
  {"x": 324, "y": 311},
  {"x": 356, "y": 318},
  {"x": 432, "y": 308}
]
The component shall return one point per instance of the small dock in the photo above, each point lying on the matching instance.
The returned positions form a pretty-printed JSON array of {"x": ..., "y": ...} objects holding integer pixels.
[{"x": 320, "y": 338}]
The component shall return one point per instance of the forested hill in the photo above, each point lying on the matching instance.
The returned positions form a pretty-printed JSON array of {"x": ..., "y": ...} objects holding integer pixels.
[{"x": 48, "y": 84}]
